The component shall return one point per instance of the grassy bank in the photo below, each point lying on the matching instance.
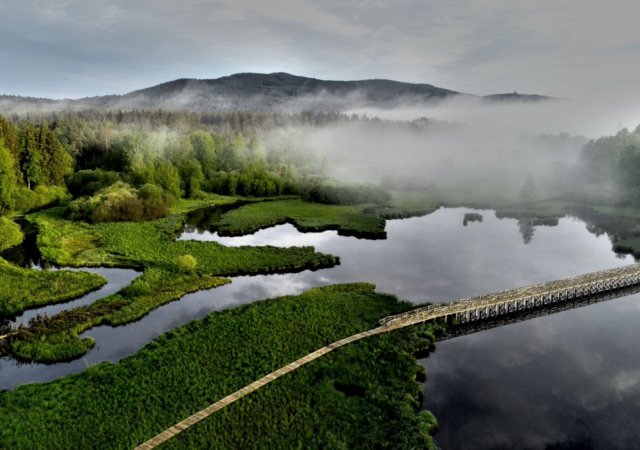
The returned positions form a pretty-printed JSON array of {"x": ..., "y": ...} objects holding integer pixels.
[
  {"x": 57, "y": 338},
  {"x": 186, "y": 205},
  {"x": 362, "y": 396},
  {"x": 26, "y": 288},
  {"x": 305, "y": 216},
  {"x": 150, "y": 245}
]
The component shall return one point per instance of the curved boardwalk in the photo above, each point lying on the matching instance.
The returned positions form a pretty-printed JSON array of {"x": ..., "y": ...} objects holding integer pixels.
[
  {"x": 465, "y": 311},
  {"x": 197, "y": 417}
]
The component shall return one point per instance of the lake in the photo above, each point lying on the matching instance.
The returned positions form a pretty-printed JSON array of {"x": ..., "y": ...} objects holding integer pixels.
[{"x": 570, "y": 380}]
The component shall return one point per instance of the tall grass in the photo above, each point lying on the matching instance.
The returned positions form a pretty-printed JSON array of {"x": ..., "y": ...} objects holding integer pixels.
[
  {"x": 26, "y": 288},
  {"x": 119, "y": 406},
  {"x": 306, "y": 216}
]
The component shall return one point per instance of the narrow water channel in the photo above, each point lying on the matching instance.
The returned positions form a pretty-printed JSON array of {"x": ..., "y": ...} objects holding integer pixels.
[{"x": 547, "y": 383}]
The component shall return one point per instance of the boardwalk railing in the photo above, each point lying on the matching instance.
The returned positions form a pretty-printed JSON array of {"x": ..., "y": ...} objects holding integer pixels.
[
  {"x": 514, "y": 300},
  {"x": 559, "y": 295}
]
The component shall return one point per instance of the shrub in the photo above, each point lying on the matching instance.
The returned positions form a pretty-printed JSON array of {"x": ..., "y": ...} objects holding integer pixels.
[
  {"x": 186, "y": 263},
  {"x": 88, "y": 182},
  {"x": 10, "y": 234},
  {"x": 27, "y": 200},
  {"x": 122, "y": 203}
]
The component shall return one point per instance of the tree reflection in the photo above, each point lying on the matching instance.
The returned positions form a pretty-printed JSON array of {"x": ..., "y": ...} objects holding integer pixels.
[{"x": 527, "y": 229}]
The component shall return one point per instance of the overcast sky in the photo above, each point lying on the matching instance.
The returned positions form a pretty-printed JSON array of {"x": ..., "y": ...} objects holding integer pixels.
[{"x": 564, "y": 48}]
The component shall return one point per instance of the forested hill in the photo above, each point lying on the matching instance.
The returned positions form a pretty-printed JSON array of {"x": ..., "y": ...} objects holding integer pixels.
[{"x": 259, "y": 92}]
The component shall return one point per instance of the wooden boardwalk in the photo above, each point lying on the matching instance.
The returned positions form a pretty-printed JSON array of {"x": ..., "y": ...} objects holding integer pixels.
[
  {"x": 465, "y": 311},
  {"x": 197, "y": 417},
  {"x": 514, "y": 300}
]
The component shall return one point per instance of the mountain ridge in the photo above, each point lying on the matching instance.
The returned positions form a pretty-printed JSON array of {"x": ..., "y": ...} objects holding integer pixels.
[{"x": 266, "y": 92}]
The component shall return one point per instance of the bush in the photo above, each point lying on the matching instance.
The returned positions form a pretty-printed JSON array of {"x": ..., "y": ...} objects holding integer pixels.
[
  {"x": 10, "y": 234},
  {"x": 88, "y": 182},
  {"x": 122, "y": 203},
  {"x": 186, "y": 263},
  {"x": 27, "y": 200}
]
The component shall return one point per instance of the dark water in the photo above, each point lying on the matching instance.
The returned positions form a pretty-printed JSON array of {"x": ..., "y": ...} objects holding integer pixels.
[{"x": 571, "y": 380}]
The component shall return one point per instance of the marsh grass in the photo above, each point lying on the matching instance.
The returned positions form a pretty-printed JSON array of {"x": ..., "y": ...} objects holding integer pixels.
[
  {"x": 21, "y": 289},
  {"x": 147, "y": 292},
  {"x": 184, "y": 370},
  {"x": 305, "y": 216}
]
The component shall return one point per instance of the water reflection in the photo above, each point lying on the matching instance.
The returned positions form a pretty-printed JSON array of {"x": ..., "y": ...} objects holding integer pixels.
[
  {"x": 570, "y": 381},
  {"x": 560, "y": 379}
]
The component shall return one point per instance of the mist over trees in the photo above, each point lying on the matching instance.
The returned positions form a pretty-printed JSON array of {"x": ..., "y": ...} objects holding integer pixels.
[{"x": 135, "y": 165}]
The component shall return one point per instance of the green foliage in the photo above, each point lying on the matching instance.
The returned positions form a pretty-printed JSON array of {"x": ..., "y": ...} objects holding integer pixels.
[
  {"x": 316, "y": 189},
  {"x": 185, "y": 370},
  {"x": 42, "y": 196},
  {"x": 25, "y": 288},
  {"x": 11, "y": 139},
  {"x": 186, "y": 263},
  {"x": 7, "y": 180},
  {"x": 10, "y": 234},
  {"x": 121, "y": 203},
  {"x": 88, "y": 182},
  {"x": 59, "y": 339},
  {"x": 304, "y": 215},
  {"x": 151, "y": 245}
]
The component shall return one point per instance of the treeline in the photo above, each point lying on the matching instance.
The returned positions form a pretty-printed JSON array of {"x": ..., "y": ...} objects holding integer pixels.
[
  {"x": 609, "y": 170},
  {"x": 33, "y": 166}
]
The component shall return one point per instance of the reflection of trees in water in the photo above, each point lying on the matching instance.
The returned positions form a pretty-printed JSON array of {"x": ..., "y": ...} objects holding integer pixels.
[
  {"x": 527, "y": 229},
  {"x": 527, "y": 226},
  {"x": 206, "y": 219},
  {"x": 616, "y": 228}
]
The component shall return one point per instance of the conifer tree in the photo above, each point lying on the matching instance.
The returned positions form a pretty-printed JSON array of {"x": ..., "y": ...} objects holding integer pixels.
[
  {"x": 9, "y": 134},
  {"x": 31, "y": 158},
  {"x": 7, "y": 180}
]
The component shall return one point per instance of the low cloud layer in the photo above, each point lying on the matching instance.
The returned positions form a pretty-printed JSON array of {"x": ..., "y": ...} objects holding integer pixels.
[{"x": 74, "y": 48}]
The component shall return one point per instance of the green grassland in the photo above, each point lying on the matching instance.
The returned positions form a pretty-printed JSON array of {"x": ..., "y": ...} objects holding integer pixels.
[
  {"x": 26, "y": 288},
  {"x": 362, "y": 396},
  {"x": 150, "y": 245},
  {"x": 57, "y": 339},
  {"x": 305, "y": 216}
]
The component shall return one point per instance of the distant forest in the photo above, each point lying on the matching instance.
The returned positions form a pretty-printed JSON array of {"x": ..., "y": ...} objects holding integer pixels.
[{"x": 134, "y": 165}]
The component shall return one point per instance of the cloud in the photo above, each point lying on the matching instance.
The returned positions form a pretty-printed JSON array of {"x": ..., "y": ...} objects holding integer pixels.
[{"x": 76, "y": 48}]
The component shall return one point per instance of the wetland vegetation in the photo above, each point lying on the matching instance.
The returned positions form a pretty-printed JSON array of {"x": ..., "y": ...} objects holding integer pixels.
[
  {"x": 362, "y": 395},
  {"x": 114, "y": 189}
]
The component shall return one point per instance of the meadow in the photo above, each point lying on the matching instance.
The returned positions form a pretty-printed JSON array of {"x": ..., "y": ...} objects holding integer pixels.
[
  {"x": 305, "y": 216},
  {"x": 150, "y": 245},
  {"x": 26, "y": 288},
  {"x": 362, "y": 396}
]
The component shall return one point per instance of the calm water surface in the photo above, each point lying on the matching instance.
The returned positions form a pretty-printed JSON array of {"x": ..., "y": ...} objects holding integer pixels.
[{"x": 571, "y": 380}]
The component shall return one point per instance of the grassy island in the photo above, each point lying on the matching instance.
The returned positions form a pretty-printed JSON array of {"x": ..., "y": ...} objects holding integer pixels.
[
  {"x": 148, "y": 246},
  {"x": 361, "y": 396},
  {"x": 305, "y": 216},
  {"x": 26, "y": 288}
]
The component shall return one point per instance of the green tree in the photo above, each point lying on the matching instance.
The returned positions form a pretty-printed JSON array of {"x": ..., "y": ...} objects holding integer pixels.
[
  {"x": 56, "y": 162},
  {"x": 9, "y": 134},
  {"x": 7, "y": 180},
  {"x": 168, "y": 178},
  {"x": 205, "y": 148},
  {"x": 191, "y": 175},
  {"x": 31, "y": 157},
  {"x": 10, "y": 234}
]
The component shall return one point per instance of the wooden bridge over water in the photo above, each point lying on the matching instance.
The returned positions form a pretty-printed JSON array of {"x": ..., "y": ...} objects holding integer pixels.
[{"x": 467, "y": 316}]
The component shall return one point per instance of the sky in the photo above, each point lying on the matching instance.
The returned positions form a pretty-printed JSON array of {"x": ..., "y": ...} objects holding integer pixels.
[{"x": 563, "y": 48}]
